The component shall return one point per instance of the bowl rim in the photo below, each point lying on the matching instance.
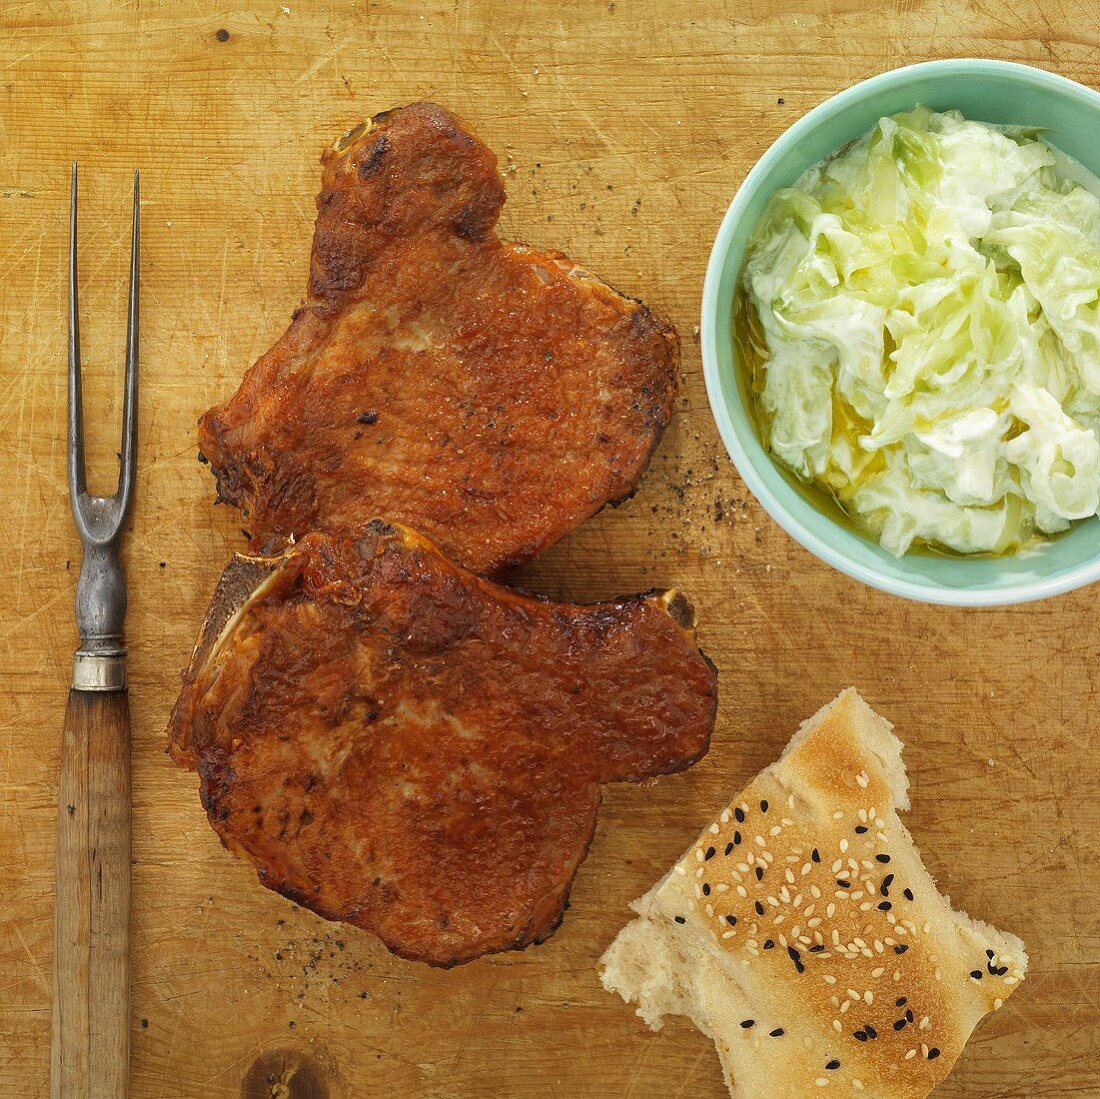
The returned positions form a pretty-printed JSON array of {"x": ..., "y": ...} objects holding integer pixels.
[{"x": 920, "y": 591}]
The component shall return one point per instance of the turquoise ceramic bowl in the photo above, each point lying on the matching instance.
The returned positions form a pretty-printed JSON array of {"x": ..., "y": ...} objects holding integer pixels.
[{"x": 988, "y": 91}]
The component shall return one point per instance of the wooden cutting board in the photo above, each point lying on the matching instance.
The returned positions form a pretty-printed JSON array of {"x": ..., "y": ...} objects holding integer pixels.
[{"x": 623, "y": 129}]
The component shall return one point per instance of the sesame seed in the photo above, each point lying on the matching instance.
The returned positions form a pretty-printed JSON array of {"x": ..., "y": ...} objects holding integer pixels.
[
  {"x": 763, "y": 807},
  {"x": 901, "y": 948},
  {"x": 833, "y": 1064},
  {"x": 821, "y": 1082},
  {"x": 871, "y": 1032},
  {"x": 933, "y": 1053},
  {"x": 742, "y": 892},
  {"x": 739, "y": 813},
  {"x": 760, "y": 873},
  {"x": 728, "y": 934},
  {"x": 844, "y": 883},
  {"x": 998, "y": 1004},
  {"x": 777, "y": 1033},
  {"x": 883, "y": 858},
  {"x": 731, "y": 920},
  {"x": 815, "y": 855},
  {"x": 859, "y": 1035},
  {"x": 907, "y": 894},
  {"x": 838, "y": 815},
  {"x": 768, "y": 944},
  {"x": 976, "y": 974},
  {"x": 736, "y": 837},
  {"x": 706, "y": 889},
  {"x": 837, "y": 1026},
  {"x": 901, "y": 1001},
  {"x": 761, "y": 842},
  {"x": 709, "y": 854},
  {"x": 911, "y": 1054},
  {"x": 885, "y": 906},
  {"x": 759, "y": 908},
  {"x": 729, "y": 847},
  {"x": 878, "y": 971},
  {"x": 699, "y": 854},
  {"x": 900, "y": 1024},
  {"x": 861, "y": 829},
  {"x": 829, "y": 979},
  {"x": 843, "y": 845},
  {"x": 748, "y": 1024},
  {"x": 857, "y": 1085}
]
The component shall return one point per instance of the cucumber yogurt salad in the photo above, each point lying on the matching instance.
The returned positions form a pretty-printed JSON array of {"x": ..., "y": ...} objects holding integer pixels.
[{"x": 923, "y": 333}]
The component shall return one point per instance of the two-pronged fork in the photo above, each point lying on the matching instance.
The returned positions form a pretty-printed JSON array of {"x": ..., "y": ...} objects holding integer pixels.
[{"x": 91, "y": 986}]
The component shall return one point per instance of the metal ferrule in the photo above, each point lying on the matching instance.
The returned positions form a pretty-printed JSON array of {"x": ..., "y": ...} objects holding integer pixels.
[{"x": 99, "y": 671}]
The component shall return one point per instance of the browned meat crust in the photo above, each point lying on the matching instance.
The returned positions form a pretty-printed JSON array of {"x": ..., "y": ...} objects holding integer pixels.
[
  {"x": 488, "y": 394},
  {"x": 396, "y": 743}
]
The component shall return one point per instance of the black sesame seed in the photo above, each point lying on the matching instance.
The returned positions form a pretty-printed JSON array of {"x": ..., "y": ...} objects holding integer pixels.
[
  {"x": 860, "y": 829},
  {"x": 679, "y": 919},
  {"x": 729, "y": 847},
  {"x": 769, "y": 944},
  {"x": 883, "y": 858},
  {"x": 859, "y": 1035},
  {"x": 887, "y": 881},
  {"x": 368, "y": 417},
  {"x": 901, "y": 1001},
  {"x": 833, "y": 1064},
  {"x": 731, "y": 920},
  {"x": 796, "y": 958},
  {"x": 976, "y": 974},
  {"x": 843, "y": 883},
  {"x": 989, "y": 954},
  {"x": 778, "y": 1033},
  {"x": 908, "y": 894},
  {"x": 709, "y": 854},
  {"x": 901, "y": 948},
  {"x": 885, "y": 906},
  {"x": 763, "y": 807},
  {"x": 759, "y": 908},
  {"x": 901, "y": 1024},
  {"x": 1002, "y": 971},
  {"x": 815, "y": 855},
  {"x": 909, "y": 1015},
  {"x": 933, "y": 1053},
  {"x": 871, "y": 1032},
  {"x": 736, "y": 837},
  {"x": 739, "y": 813},
  {"x": 816, "y": 948},
  {"x": 747, "y": 1024},
  {"x": 706, "y": 889},
  {"x": 760, "y": 873}
]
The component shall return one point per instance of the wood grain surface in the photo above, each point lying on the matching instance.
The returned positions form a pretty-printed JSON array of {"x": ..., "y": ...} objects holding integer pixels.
[{"x": 623, "y": 129}]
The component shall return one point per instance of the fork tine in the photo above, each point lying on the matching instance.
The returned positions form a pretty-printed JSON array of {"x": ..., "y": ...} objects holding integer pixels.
[
  {"x": 129, "y": 410},
  {"x": 77, "y": 480}
]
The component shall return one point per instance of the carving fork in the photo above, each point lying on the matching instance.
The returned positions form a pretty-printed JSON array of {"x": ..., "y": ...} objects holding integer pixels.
[{"x": 91, "y": 975}]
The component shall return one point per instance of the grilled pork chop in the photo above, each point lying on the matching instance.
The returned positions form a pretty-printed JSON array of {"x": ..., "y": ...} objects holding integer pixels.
[
  {"x": 490, "y": 395},
  {"x": 399, "y": 744}
]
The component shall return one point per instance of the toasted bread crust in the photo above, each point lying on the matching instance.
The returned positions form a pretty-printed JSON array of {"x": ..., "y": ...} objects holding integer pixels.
[
  {"x": 399, "y": 744},
  {"x": 489, "y": 394}
]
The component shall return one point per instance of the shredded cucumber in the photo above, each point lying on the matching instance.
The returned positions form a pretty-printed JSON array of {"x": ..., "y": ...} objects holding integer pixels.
[{"x": 929, "y": 304}]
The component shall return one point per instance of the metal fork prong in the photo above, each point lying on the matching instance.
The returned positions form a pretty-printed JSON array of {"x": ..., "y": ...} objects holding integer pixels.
[
  {"x": 77, "y": 479},
  {"x": 129, "y": 412}
]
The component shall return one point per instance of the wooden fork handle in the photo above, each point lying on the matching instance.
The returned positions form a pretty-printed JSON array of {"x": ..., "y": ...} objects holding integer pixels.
[{"x": 91, "y": 973}]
